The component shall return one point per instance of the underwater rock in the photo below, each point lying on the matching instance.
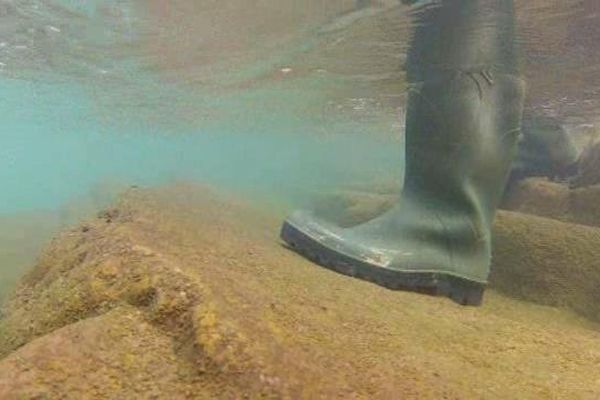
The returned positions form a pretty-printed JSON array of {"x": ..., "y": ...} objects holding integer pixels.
[
  {"x": 547, "y": 262},
  {"x": 538, "y": 196},
  {"x": 545, "y": 150},
  {"x": 588, "y": 166},
  {"x": 116, "y": 355},
  {"x": 188, "y": 294}
]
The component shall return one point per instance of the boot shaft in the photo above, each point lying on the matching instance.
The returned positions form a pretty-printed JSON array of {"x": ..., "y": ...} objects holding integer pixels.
[
  {"x": 465, "y": 106},
  {"x": 465, "y": 35},
  {"x": 461, "y": 137}
]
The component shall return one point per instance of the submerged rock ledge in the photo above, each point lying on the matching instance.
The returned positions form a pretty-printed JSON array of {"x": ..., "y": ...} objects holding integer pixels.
[
  {"x": 183, "y": 293},
  {"x": 545, "y": 198}
]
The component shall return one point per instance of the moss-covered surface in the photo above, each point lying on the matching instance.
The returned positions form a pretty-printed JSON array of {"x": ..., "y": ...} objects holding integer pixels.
[
  {"x": 180, "y": 293},
  {"x": 589, "y": 165},
  {"x": 548, "y": 262},
  {"x": 116, "y": 355},
  {"x": 539, "y": 196}
]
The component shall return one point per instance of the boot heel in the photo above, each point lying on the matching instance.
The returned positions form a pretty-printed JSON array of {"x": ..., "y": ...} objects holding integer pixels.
[{"x": 462, "y": 292}]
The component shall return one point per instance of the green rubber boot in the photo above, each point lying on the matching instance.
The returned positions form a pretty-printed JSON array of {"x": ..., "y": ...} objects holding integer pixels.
[{"x": 463, "y": 123}]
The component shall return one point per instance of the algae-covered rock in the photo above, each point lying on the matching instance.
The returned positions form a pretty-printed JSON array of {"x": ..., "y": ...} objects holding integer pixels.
[
  {"x": 589, "y": 166},
  {"x": 115, "y": 355},
  {"x": 197, "y": 298},
  {"x": 545, "y": 149},
  {"x": 541, "y": 197},
  {"x": 548, "y": 262}
]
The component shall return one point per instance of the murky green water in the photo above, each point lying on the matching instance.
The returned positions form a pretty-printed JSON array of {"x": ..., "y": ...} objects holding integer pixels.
[{"x": 276, "y": 98}]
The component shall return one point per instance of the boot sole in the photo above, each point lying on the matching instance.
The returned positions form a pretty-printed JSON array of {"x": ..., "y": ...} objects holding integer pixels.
[{"x": 459, "y": 290}]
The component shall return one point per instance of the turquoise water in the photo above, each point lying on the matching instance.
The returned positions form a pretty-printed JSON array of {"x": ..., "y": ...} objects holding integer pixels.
[
  {"x": 98, "y": 96},
  {"x": 65, "y": 154},
  {"x": 56, "y": 147}
]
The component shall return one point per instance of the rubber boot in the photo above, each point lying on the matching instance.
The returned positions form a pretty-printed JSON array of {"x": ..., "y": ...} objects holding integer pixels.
[{"x": 463, "y": 123}]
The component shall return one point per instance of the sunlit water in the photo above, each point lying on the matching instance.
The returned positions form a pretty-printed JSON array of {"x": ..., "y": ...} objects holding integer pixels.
[{"x": 275, "y": 98}]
